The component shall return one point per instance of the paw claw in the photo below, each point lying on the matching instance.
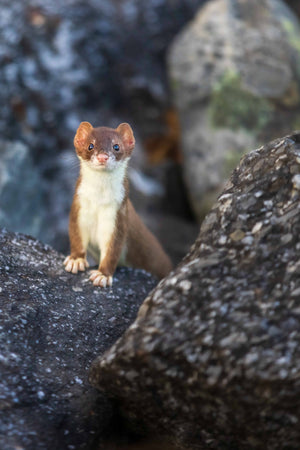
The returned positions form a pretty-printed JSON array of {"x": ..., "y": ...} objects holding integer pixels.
[
  {"x": 99, "y": 279},
  {"x": 67, "y": 259},
  {"x": 74, "y": 265}
]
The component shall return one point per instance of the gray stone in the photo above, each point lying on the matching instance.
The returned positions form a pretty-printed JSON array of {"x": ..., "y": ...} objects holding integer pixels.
[
  {"x": 215, "y": 348},
  {"x": 234, "y": 73},
  {"x": 52, "y": 325},
  {"x": 22, "y": 199},
  {"x": 294, "y": 5}
]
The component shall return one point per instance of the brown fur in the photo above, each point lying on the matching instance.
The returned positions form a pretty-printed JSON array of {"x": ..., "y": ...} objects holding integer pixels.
[
  {"x": 142, "y": 249},
  {"x": 110, "y": 262},
  {"x": 101, "y": 138},
  {"x": 77, "y": 249}
]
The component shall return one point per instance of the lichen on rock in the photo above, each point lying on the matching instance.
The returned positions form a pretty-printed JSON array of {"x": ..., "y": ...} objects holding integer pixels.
[{"x": 232, "y": 106}]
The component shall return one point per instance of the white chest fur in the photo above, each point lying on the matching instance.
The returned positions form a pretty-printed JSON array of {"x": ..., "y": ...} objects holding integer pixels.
[{"x": 100, "y": 195}]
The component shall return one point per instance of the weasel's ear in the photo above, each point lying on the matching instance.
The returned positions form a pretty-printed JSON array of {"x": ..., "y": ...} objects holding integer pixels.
[
  {"x": 82, "y": 133},
  {"x": 126, "y": 133}
]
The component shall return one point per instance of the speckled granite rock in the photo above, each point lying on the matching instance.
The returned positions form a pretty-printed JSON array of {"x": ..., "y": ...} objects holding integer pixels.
[
  {"x": 53, "y": 324},
  {"x": 213, "y": 358},
  {"x": 234, "y": 73}
]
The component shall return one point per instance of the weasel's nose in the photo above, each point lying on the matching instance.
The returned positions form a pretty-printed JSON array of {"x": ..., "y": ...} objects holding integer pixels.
[{"x": 102, "y": 158}]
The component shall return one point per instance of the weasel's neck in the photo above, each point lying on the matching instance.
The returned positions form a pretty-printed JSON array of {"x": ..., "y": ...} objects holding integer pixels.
[{"x": 102, "y": 186}]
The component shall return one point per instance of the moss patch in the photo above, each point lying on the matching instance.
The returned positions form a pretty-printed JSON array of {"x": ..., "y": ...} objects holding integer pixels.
[
  {"x": 293, "y": 37},
  {"x": 292, "y": 33},
  {"x": 175, "y": 84},
  {"x": 296, "y": 122},
  {"x": 232, "y": 159},
  {"x": 234, "y": 107}
]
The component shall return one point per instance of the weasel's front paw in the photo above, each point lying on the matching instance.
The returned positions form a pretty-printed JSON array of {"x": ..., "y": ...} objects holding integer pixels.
[
  {"x": 99, "y": 279},
  {"x": 75, "y": 264}
]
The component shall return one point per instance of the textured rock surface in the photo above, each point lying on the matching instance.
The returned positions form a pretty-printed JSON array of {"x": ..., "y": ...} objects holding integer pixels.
[
  {"x": 53, "y": 324},
  {"x": 234, "y": 71},
  {"x": 213, "y": 358}
]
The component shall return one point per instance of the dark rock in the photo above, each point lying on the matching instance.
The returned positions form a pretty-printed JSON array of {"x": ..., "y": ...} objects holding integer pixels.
[
  {"x": 294, "y": 5},
  {"x": 213, "y": 359},
  {"x": 52, "y": 326},
  {"x": 176, "y": 234}
]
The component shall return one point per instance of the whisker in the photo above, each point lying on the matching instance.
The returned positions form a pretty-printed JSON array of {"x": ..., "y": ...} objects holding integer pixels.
[{"x": 70, "y": 162}]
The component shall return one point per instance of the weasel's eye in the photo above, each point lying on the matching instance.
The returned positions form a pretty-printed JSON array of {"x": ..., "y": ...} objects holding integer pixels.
[
  {"x": 91, "y": 146},
  {"x": 116, "y": 147}
]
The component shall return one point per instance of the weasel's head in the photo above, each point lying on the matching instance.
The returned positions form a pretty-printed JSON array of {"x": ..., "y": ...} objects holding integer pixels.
[{"x": 104, "y": 148}]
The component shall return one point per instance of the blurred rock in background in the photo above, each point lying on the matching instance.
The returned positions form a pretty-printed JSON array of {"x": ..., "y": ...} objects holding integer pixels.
[
  {"x": 234, "y": 73},
  {"x": 62, "y": 63},
  {"x": 294, "y": 5},
  {"x": 21, "y": 190}
]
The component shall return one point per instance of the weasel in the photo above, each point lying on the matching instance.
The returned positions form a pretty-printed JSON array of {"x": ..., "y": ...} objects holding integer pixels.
[{"x": 102, "y": 218}]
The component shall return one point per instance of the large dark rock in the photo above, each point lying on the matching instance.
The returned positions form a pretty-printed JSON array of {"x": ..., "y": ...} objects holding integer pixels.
[
  {"x": 53, "y": 324},
  {"x": 213, "y": 359}
]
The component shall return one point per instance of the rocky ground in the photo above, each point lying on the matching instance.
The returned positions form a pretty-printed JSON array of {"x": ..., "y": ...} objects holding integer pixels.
[{"x": 53, "y": 324}]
